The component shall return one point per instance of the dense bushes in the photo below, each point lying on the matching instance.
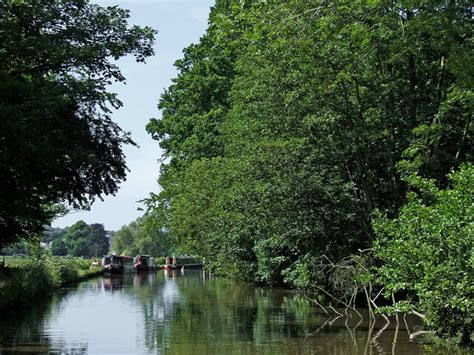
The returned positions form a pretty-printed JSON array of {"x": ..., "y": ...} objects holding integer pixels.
[{"x": 427, "y": 252}]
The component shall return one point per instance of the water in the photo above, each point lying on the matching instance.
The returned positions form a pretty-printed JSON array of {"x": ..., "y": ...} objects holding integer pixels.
[{"x": 175, "y": 313}]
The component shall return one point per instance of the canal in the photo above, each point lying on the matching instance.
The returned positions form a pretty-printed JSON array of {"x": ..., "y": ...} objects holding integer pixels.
[{"x": 188, "y": 313}]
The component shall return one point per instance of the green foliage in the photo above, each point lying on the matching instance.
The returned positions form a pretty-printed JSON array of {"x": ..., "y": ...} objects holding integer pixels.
[
  {"x": 50, "y": 234},
  {"x": 55, "y": 238},
  {"x": 19, "y": 248},
  {"x": 58, "y": 142},
  {"x": 195, "y": 105},
  {"x": 59, "y": 247},
  {"x": 160, "y": 260},
  {"x": 28, "y": 281},
  {"x": 290, "y": 122},
  {"x": 82, "y": 239},
  {"x": 140, "y": 237},
  {"x": 287, "y": 120},
  {"x": 427, "y": 251}
]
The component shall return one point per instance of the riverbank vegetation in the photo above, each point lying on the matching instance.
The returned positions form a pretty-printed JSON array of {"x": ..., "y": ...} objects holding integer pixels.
[
  {"x": 427, "y": 253},
  {"x": 303, "y": 137},
  {"x": 25, "y": 281}
]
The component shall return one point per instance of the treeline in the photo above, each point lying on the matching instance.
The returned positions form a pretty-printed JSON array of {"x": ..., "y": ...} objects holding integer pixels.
[
  {"x": 293, "y": 128},
  {"x": 80, "y": 239}
]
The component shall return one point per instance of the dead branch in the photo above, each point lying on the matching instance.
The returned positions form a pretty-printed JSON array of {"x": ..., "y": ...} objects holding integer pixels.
[
  {"x": 418, "y": 314},
  {"x": 335, "y": 311},
  {"x": 416, "y": 334},
  {"x": 371, "y": 312},
  {"x": 338, "y": 300},
  {"x": 316, "y": 302}
]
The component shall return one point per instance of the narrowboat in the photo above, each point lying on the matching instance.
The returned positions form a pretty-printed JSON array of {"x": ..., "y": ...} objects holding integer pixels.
[
  {"x": 144, "y": 263},
  {"x": 187, "y": 262},
  {"x": 114, "y": 264}
]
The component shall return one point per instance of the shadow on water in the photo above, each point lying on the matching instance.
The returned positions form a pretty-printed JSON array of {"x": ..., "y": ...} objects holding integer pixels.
[{"x": 173, "y": 312}]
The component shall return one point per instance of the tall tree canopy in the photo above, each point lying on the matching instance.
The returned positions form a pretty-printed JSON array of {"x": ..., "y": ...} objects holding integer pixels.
[
  {"x": 57, "y": 140},
  {"x": 287, "y": 123}
]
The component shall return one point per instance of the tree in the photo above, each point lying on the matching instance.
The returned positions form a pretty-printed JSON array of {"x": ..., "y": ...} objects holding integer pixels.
[
  {"x": 58, "y": 142},
  {"x": 140, "y": 237},
  {"x": 82, "y": 239},
  {"x": 59, "y": 247},
  {"x": 286, "y": 122},
  {"x": 123, "y": 241},
  {"x": 194, "y": 111},
  {"x": 51, "y": 234}
]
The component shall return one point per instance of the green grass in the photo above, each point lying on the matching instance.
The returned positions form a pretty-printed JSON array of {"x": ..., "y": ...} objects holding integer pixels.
[
  {"x": 90, "y": 272},
  {"x": 15, "y": 261}
]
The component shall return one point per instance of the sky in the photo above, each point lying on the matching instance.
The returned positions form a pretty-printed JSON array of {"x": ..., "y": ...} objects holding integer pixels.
[{"x": 180, "y": 23}]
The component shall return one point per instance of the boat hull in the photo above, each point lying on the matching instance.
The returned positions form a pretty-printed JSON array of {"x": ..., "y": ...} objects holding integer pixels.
[
  {"x": 144, "y": 263},
  {"x": 180, "y": 266},
  {"x": 113, "y": 271},
  {"x": 117, "y": 264},
  {"x": 141, "y": 268},
  {"x": 169, "y": 267}
]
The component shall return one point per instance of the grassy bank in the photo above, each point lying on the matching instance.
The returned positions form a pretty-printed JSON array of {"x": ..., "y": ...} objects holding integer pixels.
[{"x": 23, "y": 281}]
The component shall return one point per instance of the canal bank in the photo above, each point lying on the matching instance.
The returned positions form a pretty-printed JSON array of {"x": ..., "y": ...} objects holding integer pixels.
[{"x": 24, "y": 283}]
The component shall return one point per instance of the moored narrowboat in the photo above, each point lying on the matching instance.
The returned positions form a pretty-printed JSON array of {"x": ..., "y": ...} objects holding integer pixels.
[
  {"x": 144, "y": 263},
  {"x": 114, "y": 264},
  {"x": 187, "y": 262}
]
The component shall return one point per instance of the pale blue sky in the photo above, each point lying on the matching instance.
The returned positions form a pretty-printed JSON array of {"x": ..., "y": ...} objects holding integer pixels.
[{"x": 180, "y": 23}]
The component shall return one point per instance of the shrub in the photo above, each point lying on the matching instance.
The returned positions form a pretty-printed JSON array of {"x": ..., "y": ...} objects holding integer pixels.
[
  {"x": 160, "y": 260},
  {"x": 427, "y": 251}
]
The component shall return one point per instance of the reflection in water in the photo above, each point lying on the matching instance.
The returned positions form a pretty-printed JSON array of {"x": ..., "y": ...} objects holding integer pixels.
[{"x": 175, "y": 312}]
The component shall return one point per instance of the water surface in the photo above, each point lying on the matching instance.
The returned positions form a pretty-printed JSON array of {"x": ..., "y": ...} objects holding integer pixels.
[{"x": 190, "y": 313}]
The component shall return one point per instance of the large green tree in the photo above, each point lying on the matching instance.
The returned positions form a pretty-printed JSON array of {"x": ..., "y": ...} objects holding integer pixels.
[
  {"x": 287, "y": 121},
  {"x": 82, "y": 239},
  {"x": 190, "y": 130},
  {"x": 141, "y": 237},
  {"x": 57, "y": 140}
]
